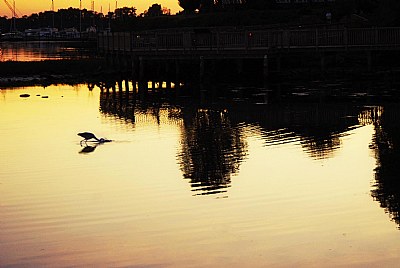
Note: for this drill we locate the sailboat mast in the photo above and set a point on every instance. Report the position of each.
(52, 9)
(14, 26)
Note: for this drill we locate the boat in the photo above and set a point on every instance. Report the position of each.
(12, 36)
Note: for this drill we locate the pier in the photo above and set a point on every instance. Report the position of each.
(132, 49)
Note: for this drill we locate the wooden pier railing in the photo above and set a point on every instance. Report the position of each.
(246, 42)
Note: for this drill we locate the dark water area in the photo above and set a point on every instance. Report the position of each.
(288, 175)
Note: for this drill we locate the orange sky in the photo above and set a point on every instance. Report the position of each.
(27, 7)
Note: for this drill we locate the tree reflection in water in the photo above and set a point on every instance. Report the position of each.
(212, 148)
(318, 128)
(212, 151)
(387, 174)
(214, 141)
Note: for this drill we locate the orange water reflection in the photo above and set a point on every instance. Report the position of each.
(129, 203)
(38, 51)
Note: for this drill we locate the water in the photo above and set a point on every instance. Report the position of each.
(187, 183)
(44, 50)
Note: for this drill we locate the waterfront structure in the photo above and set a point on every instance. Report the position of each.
(259, 44)
(41, 33)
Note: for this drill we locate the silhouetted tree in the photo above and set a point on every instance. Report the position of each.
(260, 4)
(344, 7)
(125, 13)
(189, 6)
(366, 5)
(206, 5)
(154, 11)
(388, 13)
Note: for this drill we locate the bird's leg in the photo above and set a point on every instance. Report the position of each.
(84, 140)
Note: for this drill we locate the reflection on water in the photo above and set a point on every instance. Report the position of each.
(213, 140)
(88, 149)
(37, 51)
(195, 181)
(212, 150)
(386, 144)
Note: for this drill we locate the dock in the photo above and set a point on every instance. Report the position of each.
(202, 45)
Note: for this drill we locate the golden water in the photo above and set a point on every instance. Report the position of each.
(144, 200)
(41, 50)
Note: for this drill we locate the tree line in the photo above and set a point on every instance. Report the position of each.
(206, 13)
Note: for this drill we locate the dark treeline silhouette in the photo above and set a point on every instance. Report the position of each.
(70, 18)
(201, 13)
(387, 150)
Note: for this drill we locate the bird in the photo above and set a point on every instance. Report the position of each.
(88, 136)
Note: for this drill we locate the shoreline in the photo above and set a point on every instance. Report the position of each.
(94, 70)
(47, 72)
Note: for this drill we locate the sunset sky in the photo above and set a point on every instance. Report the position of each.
(27, 7)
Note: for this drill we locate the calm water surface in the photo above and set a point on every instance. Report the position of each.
(183, 185)
(42, 50)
